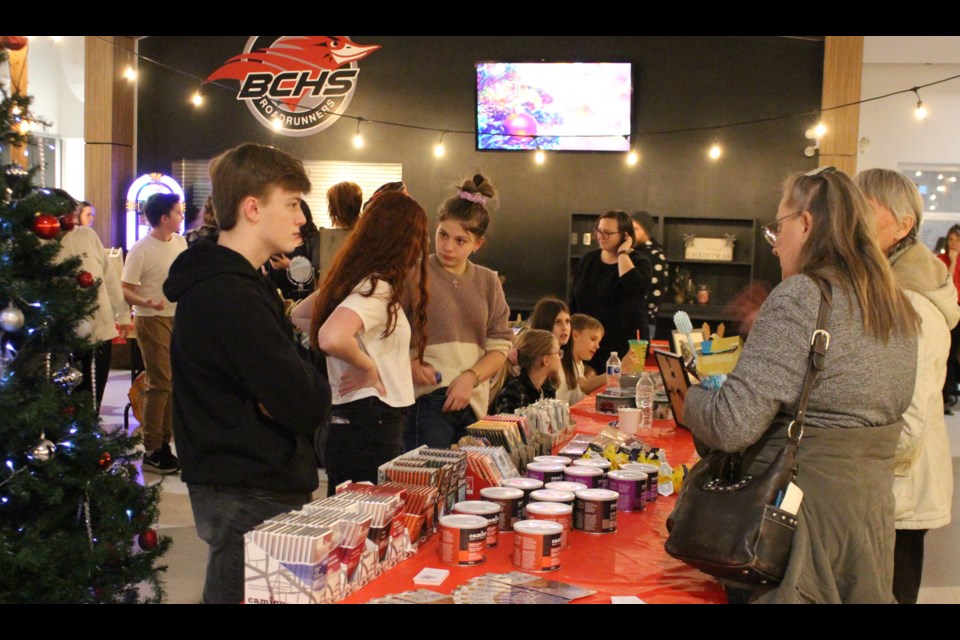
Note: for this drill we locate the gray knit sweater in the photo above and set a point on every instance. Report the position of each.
(865, 382)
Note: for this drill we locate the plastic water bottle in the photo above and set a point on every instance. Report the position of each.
(613, 371)
(645, 393)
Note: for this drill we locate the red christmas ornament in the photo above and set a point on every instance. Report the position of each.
(14, 43)
(46, 226)
(148, 539)
(68, 222)
(105, 461)
(85, 279)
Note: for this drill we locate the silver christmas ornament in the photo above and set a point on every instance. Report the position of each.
(11, 318)
(67, 377)
(42, 451)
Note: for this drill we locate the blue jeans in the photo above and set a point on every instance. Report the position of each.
(223, 515)
(428, 424)
(356, 448)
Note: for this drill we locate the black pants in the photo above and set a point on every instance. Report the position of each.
(953, 365)
(369, 437)
(908, 565)
(95, 360)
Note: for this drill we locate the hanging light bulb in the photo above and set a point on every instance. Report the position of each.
(820, 130)
(715, 151)
(130, 73)
(24, 126)
(197, 99)
(921, 110)
(15, 111)
(439, 150)
(632, 158)
(277, 124)
(357, 138)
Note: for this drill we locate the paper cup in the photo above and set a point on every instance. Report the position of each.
(629, 420)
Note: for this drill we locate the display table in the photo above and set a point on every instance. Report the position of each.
(629, 562)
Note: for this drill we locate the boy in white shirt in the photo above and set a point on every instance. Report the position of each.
(144, 273)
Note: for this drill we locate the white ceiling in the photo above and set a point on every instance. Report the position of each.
(911, 49)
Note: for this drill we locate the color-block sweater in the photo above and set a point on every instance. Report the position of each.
(467, 317)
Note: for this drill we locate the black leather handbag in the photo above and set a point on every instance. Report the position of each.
(725, 523)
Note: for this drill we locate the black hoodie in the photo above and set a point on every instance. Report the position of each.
(232, 350)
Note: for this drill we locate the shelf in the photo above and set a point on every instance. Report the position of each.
(733, 263)
(710, 312)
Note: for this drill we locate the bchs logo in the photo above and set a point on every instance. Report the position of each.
(298, 85)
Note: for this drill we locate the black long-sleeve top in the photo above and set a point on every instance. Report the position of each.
(618, 302)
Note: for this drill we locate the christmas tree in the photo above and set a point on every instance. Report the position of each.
(75, 524)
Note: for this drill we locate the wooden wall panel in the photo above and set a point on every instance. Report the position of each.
(109, 132)
(842, 75)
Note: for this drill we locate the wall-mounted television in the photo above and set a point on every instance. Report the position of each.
(564, 106)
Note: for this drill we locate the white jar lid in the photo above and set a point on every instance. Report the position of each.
(501, 493)
(538, 527)
(477, 507)
(458, 521)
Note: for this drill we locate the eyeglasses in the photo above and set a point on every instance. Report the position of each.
(557, 353)
(604, 234)
(772, 230)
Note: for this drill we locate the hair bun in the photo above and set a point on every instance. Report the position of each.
(478, 179)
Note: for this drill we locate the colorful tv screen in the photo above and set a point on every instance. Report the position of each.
(564, 106)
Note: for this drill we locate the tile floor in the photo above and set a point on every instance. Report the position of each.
(186, 560)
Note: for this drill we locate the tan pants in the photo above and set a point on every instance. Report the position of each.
(153, 333)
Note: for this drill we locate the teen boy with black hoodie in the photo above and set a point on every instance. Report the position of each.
(246, 401)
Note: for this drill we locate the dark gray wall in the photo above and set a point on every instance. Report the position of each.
(679, 82)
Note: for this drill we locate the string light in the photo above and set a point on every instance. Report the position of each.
(632, 158)
(197, 99)
(439, 150)
(357, 138)
(539, 157)
(921, 110)
(715, 151)
(820, 130)
(15, 111)
(24, 126)
(130, 73)
(277, 124)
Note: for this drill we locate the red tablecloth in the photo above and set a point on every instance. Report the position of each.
(630, 561)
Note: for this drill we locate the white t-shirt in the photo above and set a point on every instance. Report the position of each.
(147, 266)
(391, 354)
(575, 395)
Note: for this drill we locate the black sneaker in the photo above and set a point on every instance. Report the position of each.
(160, 463)
(167, 454)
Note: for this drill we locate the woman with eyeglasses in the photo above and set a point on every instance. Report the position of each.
(842, 550)
(923, 486)
(611, 284)
(530, 364)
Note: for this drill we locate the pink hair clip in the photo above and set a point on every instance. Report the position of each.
(478, 198)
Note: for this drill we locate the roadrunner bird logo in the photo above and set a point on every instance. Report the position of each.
(296, 85)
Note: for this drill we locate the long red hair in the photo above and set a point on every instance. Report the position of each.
(388, 243)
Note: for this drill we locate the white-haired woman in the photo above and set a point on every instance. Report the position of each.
(923, 487)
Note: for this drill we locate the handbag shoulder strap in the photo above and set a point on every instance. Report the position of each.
(819, 343)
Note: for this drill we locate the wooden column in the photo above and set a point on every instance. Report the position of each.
(18, 81)
(842, 75)
(109, 132)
